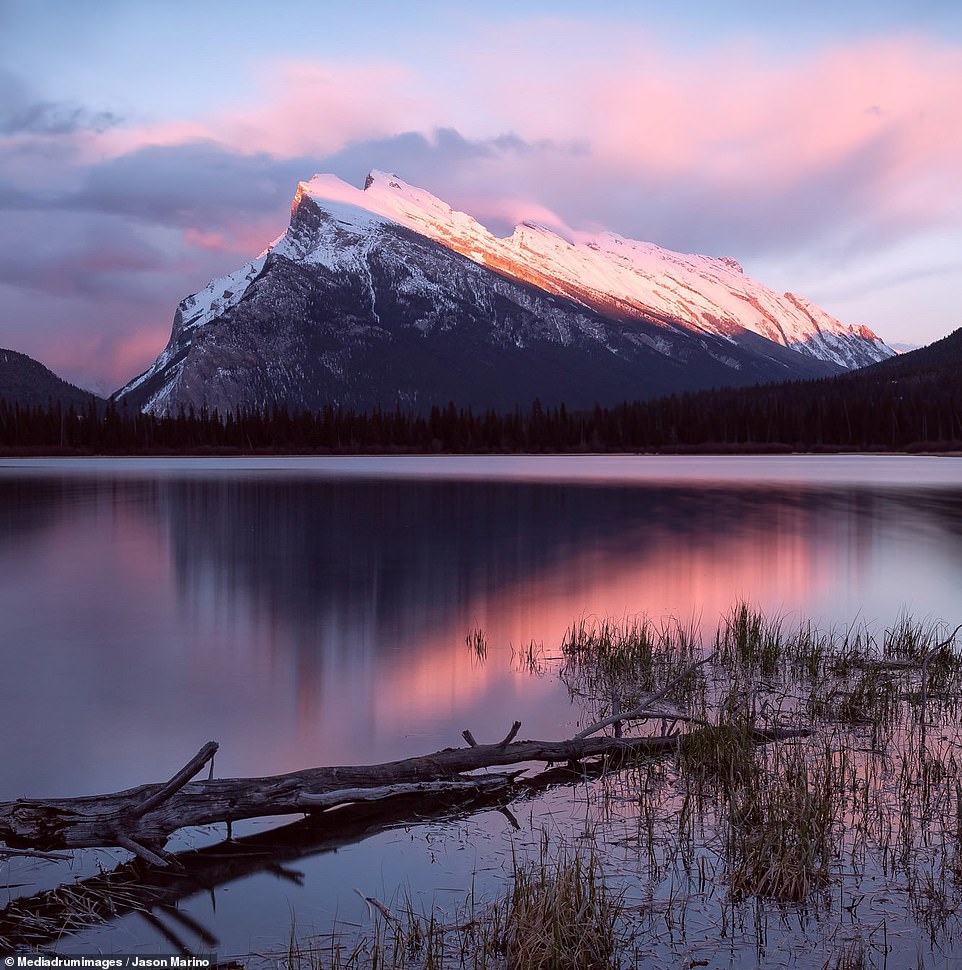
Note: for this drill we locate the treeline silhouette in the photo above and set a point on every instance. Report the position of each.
(867, 410)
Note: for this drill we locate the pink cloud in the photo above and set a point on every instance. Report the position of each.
(735, 117)
(315, 108)
(244, 238)
(104, 360)
(308, 109)
(213, 241)
(134, 351)
(122, 141)
(504, 211)
(885, 115)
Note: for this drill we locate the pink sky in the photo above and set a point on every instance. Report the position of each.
(830, 167)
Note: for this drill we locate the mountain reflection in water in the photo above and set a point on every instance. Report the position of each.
(310, 619)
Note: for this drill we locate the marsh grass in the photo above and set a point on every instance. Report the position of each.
(748, 639)
(724, 753)
(853, 955)
(557, 913)
(783, 833)
(560, 914)
(867, 789)
(867, 806)
(530, 658)
(609, 664)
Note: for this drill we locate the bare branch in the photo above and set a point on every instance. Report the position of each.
(509, 737)
(183, 776)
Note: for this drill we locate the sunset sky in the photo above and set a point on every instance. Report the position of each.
(146, 147)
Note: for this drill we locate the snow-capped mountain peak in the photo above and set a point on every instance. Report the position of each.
(604, 269)
(388, 294)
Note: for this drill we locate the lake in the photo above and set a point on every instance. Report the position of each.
(315, 611)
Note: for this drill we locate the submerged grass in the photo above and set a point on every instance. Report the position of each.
(610, 665)
(477, 644)
(783, 828)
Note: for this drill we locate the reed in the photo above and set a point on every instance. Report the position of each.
(477, 644)
(559, 915)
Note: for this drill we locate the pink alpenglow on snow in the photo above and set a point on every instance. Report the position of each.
(601, 270)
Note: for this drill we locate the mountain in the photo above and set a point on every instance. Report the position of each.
(940, 361)
(902, 348)
(27, 382)
(385, 295)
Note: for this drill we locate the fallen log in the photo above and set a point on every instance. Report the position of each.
(138, 887)
(142, 819)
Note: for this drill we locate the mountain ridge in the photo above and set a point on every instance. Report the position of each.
(387, 296)
(597, 268)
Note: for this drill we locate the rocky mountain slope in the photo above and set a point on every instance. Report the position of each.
(386, 296)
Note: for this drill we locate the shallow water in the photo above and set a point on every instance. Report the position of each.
(314, 611)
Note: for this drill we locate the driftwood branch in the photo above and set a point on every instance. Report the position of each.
(135, 886)
(510, 736)
(139, 850)
(141, 819)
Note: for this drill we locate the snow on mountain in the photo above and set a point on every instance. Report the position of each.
(607, 272)
(386, 294)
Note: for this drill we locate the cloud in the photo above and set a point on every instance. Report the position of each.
(55, 118)
(827, 158)
(21, 114)
(719, 149)
(47, 253)
(732, 142)
(307, 109)
(186, 185)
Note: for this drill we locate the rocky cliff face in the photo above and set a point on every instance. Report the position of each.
(385, 296)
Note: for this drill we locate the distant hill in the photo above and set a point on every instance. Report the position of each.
(911, 401)
(941, 361)
(27, 382)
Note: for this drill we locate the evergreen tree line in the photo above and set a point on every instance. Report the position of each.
(856, 412)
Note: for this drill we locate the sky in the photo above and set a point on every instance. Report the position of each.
(147, 147)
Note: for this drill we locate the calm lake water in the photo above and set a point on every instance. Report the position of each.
(314, 611)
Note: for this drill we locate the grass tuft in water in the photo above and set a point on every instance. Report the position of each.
(852, 956)
(477, 644)
(782, 830)
(560, 915)
(557, 914)
(611, 665)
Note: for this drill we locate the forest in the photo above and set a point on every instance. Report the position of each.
(912, 403)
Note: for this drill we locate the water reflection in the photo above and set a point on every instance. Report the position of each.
(319, 620)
